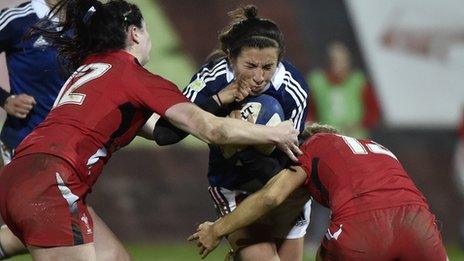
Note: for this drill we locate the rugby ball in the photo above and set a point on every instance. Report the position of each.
(262, 109)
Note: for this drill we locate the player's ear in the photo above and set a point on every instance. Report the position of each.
(133, 34)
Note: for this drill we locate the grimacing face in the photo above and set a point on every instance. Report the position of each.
(256, 66)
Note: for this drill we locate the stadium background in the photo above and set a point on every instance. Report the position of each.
(154, 197)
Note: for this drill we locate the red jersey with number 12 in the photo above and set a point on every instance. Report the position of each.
(351, 176)
(99, 110)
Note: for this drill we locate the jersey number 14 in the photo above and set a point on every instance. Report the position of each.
(358, 148)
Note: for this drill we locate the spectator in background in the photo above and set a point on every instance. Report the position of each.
(459, 172)
(341, 96)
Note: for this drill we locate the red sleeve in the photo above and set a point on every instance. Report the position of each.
(371, 108)
(158, 94)
(304, 161)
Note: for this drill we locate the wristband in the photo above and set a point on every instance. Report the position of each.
(219, 99)
(3, 96)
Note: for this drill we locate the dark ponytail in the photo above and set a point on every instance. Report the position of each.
(88, 27)
(247, 30)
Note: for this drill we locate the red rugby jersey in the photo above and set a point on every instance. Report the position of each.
(99, 110)
(350, 176)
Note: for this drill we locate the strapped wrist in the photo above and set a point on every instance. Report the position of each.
(219, 100)
(3, 97)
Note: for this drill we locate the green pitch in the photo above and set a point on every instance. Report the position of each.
(187, 252)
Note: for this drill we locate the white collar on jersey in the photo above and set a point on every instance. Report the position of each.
(40, 7)
(276, 80)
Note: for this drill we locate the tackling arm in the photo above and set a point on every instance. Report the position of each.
(218, 130)
(258, 204)
(165, 133)
(251, 209)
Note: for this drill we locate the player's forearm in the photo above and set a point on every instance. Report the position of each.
(250, 210)
(217, 130)
(165, 133)
(276, 191)
(238, 132)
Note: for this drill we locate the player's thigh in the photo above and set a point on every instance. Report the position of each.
(253, 243)
(290, 222)
(290, 219)
(291, 249)
(85, 252)
(107, 245)
(43, 202)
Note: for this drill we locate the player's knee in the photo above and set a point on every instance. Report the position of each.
(291, 249)
(10, 245)
(261, 251)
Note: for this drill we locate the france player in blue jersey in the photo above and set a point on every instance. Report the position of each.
(35, 78)
(33, 71)
(250, 62)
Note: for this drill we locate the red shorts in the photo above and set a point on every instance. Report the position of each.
(399, 233)
(42, 201)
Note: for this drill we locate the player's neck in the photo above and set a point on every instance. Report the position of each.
(131, 52)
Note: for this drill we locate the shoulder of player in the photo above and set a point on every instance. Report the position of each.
(287, 78)
(318, 141)
(212, 70)
(290, 84)
(211, 77)
(8, 15)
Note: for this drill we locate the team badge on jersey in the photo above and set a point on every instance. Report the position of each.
(196, 85)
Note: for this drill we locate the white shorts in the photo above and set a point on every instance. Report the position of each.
(289, 221)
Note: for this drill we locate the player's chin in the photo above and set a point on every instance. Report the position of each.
(255, 93)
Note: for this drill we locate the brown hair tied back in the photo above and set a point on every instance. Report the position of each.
(247, 12)
(248, 30)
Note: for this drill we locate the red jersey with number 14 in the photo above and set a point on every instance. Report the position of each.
(99, 110)
(351, 176)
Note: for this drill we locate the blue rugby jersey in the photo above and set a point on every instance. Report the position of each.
(287, 86)
(33, 67)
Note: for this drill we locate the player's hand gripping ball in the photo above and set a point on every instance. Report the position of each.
(262, 109)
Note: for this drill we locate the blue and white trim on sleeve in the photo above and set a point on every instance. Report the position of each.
(203, 77)
(11, 14)
(300, 97)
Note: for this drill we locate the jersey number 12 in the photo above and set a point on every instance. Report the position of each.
(81, 76)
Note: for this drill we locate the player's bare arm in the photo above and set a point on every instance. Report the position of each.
(279, 188)
(217, 130)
